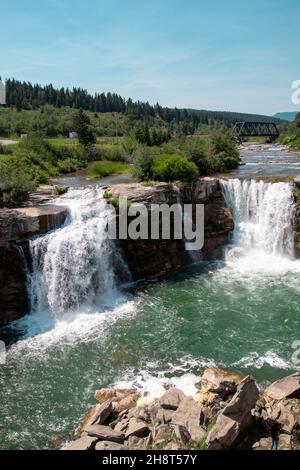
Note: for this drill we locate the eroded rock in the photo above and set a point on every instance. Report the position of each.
(171, 399)
(288, 387)
(85, 442)
(235, 417)
(188, 416)
(104, 433)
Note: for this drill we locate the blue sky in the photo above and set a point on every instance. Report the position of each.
(205, 54)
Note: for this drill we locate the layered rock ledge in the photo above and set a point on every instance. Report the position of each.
(148, 258)
(227, 412)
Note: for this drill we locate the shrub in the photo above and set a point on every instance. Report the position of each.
(60, 189)
(17, 179)
(173, 168)
(142, 161)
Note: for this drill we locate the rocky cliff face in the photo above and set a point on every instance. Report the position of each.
(148, 258)
(16, 226)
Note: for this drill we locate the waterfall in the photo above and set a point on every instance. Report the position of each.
(264, 215)
(76, 266)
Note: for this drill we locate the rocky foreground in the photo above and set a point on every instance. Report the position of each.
(227, 412)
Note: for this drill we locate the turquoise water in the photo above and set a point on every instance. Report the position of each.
(241, 312)
(172, 328)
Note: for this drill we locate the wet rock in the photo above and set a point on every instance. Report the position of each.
(171, 399)
(288, 387)
(84, 443)
(14, 302)
(235, 417)
(104, 433)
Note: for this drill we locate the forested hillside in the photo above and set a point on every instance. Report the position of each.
(26, 96)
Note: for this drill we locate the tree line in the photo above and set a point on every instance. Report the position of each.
(27, 96)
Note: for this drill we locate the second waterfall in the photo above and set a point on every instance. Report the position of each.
(264, 216)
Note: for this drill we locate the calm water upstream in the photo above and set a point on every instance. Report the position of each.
(86, 332)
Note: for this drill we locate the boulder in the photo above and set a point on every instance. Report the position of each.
(284, 442)
(235, 417)
(122, 425)
(171, 399)
(96, 415)
(164, 416)
(162, 435)
(104, 433)
(219, 381)
(286, 412)
(127, 403)
(136, 443)
(288, 387)
(107, 445)
(122, 399)
(137, 428)
(188, 416)
(297, 181)
(84, 443)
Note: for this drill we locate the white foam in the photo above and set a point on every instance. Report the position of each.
(43, 334)
(152, 383)
(270, 358)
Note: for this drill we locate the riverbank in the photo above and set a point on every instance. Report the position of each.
(225, 411)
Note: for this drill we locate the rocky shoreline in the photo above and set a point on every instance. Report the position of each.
(228, 411)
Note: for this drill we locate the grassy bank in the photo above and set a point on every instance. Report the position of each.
(107, 168)
(23, 167)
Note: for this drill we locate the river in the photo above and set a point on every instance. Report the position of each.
(90, 328)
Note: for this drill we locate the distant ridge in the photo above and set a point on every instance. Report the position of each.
(288, 116)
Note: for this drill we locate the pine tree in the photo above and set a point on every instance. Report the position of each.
(85, 132)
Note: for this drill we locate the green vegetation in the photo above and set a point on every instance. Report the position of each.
(202, 444)
(16, 179)
(60, 189)
(43, 108)
(106, 168)
(158, 144)
(173, 168)
(186, 158)
(293, 140)
(85, 132)
(291, 135)
(151, 137)
(55, 122)
(25, 166)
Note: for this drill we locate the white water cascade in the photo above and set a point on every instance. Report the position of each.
(76, 266)
(264, 216)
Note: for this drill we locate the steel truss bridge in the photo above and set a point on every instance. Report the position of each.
(255, 129)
